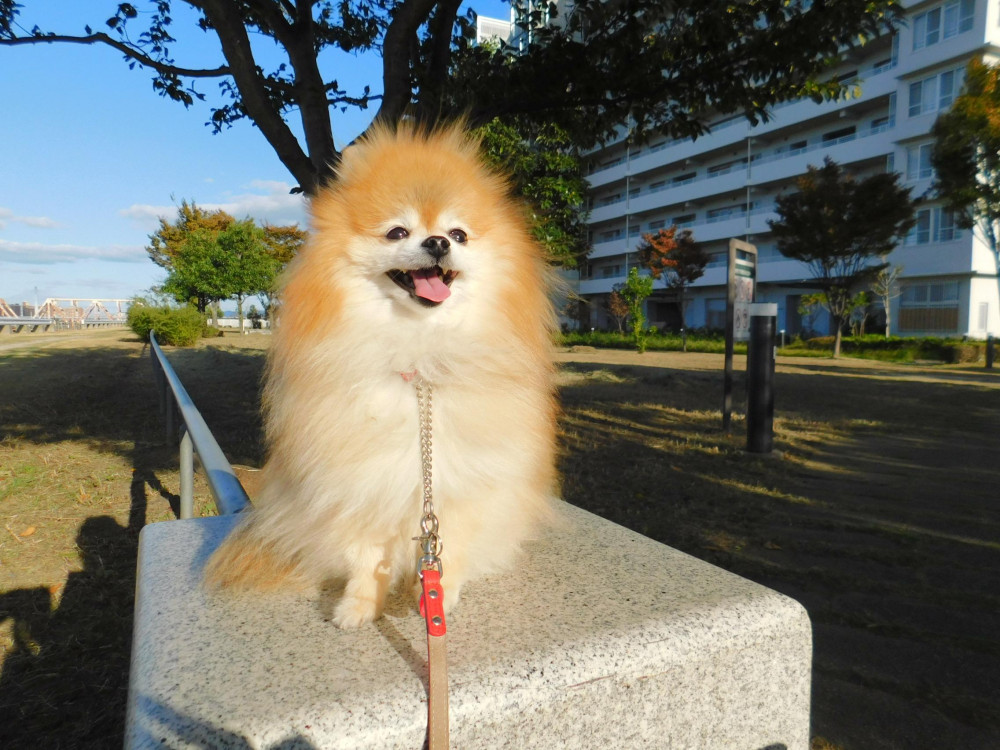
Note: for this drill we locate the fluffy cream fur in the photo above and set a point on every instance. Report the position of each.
(341, 496)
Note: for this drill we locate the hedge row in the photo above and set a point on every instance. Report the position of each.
(893, 349)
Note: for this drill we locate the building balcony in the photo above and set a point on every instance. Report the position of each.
(772, 167)
(875, 82)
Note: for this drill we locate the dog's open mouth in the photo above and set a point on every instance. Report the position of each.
(429, 286)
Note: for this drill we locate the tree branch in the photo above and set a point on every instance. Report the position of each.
(227, 20)
(123, 47)
(438, 58)
(396, 81)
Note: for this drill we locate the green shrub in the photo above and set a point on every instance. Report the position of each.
(140, 319)
(872, 346)
(892, 349)
(209, 331)
(175, 326)
(660, 342)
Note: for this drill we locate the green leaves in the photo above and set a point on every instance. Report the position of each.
(842, 228)
(634, 291)
(966, 154)
(210, 256)
(547, 173)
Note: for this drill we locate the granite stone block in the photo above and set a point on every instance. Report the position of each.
(600, 638)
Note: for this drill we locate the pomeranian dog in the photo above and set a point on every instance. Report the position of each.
(419, 265)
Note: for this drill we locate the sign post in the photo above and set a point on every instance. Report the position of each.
(739, 296)
(760, 378)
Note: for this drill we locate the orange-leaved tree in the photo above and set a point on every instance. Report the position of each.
(675, 256)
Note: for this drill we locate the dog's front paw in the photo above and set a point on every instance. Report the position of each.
(353, 612)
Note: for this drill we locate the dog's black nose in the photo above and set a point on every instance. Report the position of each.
(437, 247)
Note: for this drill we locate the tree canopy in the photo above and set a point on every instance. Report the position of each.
(678, 258)
(210, 256)
(842, 228)
(966, 153)
(634, 291)
(548, 173)
(668, 67)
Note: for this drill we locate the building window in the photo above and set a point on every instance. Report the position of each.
(922, 96)
(945, 227)
(943, 22)
(984, 316)
(935, 92)
(683, 221)
(726, 212)
(933, 225)
(633, 231)
(658, 224)
(949, 84)
(880, 124)
(715, 313)
(609, 272)
(958, 17)
(921, 232)
(608, 200)
(683, 179)
(927, 28)
(918, 161)
(931, 307)
(841, 135)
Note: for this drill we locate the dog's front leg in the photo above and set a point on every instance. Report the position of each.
(369, 576)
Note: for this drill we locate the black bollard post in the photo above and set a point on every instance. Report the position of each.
(760, 378)
(989, 351)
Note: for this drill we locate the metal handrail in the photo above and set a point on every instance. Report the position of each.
(195, 437)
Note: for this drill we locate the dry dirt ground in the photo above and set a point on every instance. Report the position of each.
(877, 511)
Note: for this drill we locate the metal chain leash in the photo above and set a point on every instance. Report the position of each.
(430, 542)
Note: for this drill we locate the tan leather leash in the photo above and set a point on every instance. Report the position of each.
(430, 571)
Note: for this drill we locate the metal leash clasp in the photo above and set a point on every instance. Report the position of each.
(430, 545)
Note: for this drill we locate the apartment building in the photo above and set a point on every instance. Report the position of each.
(723, 185)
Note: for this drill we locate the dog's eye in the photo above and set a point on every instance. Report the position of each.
(459, 236)
(397, 233)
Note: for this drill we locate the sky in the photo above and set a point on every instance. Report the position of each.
(92, 156)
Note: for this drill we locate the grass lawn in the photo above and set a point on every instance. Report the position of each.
(877, 511)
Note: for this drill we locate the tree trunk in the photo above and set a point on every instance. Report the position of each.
(836, 339)
(680, 310)
(239, 311)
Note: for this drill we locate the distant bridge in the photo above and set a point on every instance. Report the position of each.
(63, 313)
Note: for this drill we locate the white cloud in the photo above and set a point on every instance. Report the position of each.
(38, 222)
(37, 253)
(267, 201)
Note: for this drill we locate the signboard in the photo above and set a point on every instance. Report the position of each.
(742, 279)
(740, 294)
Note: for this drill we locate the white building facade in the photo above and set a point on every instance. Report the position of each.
(723, 185)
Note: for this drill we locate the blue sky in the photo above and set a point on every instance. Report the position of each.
(92, 155)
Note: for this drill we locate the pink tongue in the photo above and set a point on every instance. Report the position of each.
(427, 284)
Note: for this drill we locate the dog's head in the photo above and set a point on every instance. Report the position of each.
(416, 218)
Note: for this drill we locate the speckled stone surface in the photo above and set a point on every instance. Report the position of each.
(604, 638)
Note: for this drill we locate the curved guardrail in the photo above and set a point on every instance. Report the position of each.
(195, 437)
